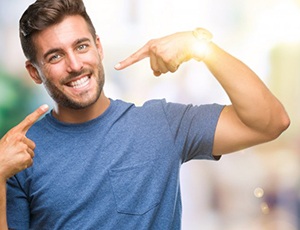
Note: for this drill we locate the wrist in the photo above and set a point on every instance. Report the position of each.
(200, 48)
(3, 181)
(3, 174)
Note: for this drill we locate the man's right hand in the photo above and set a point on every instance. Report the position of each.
(16, 150)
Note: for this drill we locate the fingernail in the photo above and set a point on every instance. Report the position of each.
(44, 107)
(117, 66)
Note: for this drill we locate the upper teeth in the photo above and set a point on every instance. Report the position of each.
(80, 82)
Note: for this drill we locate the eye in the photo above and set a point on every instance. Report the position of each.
(82, 47)
(55, 58)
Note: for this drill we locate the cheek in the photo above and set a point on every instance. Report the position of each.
(52, 73)
(96, 57)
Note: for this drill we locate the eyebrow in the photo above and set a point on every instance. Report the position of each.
(51, 51)
(55, 50)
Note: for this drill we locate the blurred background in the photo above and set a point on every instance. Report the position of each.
(255, 189)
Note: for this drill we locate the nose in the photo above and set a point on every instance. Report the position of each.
(74, 63)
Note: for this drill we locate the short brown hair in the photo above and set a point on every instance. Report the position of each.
(45, 13)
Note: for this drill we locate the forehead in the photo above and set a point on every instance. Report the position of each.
(63, 34)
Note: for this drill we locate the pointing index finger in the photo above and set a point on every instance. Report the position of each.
(32, 118)
(135, 57)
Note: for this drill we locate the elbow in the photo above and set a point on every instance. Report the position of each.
(284, 123)
(279, 125)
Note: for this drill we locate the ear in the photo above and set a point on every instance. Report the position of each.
(33, 72)
(99, 47)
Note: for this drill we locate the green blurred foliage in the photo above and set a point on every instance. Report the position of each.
(15, 100)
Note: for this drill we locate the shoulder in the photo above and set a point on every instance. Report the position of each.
(174, 108)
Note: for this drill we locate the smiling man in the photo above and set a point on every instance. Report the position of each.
(68, 62)
(108, 164)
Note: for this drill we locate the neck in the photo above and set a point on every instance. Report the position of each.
(69, 115)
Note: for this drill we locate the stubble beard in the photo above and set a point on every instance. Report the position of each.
(63, 100)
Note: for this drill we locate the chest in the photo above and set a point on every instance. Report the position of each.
(107, 172)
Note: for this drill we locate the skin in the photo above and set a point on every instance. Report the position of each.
(252, 123)
(16, 154)
(67, 52)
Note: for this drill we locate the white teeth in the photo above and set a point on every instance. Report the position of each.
(80, 82)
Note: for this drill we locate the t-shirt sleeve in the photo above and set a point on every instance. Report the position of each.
(17, 205)
(193, 128)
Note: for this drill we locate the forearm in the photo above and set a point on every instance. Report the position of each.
(255, 115)
(3, 221)
(253, 103)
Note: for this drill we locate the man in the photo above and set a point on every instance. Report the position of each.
(107, 164)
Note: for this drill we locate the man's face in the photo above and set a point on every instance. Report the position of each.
(69, 63)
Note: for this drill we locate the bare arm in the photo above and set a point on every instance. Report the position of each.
(16, 154)
(3, 223)
(255, 115)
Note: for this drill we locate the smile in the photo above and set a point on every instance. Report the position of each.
(80, 83)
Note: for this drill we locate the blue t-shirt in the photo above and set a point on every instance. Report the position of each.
(118, 171)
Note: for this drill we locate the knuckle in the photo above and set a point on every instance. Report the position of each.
(18, 137)
(14, 137)
(22, 147)
(167, 59)
(26, 158)
(151, 42)
(134, 55)
(33, 145)
(153, 46)
(29, 119)
(12, 131)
